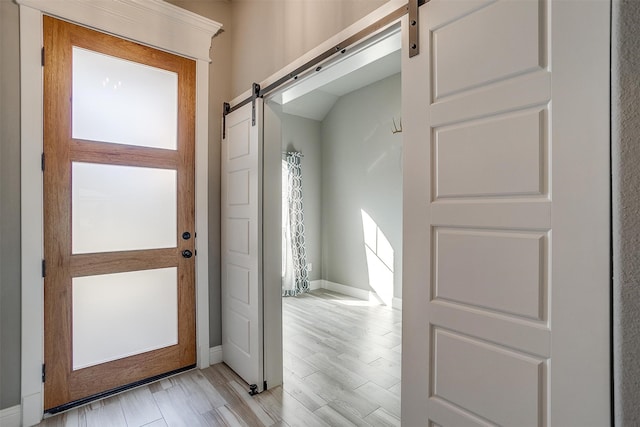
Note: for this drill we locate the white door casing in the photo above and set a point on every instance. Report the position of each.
(241, 246)
(506, 215)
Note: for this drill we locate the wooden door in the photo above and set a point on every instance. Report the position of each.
(242, 322)
(506, 215)
(118, 213)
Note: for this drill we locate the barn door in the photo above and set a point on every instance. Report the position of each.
(506, 292)
(241, 192)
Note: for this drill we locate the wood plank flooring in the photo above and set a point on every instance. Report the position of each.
(341, 368)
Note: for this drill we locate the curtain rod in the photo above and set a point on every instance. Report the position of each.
(297, 152)
(339, 48)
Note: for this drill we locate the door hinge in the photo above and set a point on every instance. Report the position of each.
(42, 56)
(42, 162)
(226, 109)
(256, 93)
(44, 268)
(44, 372)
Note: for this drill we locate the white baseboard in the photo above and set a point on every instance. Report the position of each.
(346, 290)
(215, 355)
(11, 417)
(32, 406)
(352, 292)
(315, 284)
(362, 294)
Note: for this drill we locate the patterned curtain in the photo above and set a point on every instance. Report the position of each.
(295, 278)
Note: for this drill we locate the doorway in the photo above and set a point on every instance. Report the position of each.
(341, 175)
(342, 235)
(130, 20)
(119, 214)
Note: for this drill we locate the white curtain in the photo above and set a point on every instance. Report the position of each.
(295, 278)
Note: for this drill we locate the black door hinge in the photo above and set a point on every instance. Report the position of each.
(226, 109)
(255, 87)
(44, 268)
(42, 162)
(42, 56)
(44, 372)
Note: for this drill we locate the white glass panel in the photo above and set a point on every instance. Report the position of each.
(119, 208)
(123, 102)
(123, 314)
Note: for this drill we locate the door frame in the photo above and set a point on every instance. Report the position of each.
(272, 190)
(185, 34)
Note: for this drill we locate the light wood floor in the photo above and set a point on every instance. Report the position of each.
(341, 368)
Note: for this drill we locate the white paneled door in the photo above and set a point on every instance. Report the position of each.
(242, 322)
(506, 215)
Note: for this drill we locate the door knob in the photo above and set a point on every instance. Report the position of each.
(186, 235)
(187, 253)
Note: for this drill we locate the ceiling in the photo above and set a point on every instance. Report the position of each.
(314, 96)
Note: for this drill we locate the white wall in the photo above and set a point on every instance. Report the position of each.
(361, 171)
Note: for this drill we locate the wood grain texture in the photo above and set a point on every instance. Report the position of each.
(119, 262)
(310, 397)
(57, 215)
(123, 155)
(64, 385)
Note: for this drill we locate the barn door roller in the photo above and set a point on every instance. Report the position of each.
(255, 88)
(414, 25)
(227, 108)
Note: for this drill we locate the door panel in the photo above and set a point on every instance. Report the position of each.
(142, 100)
(120, 208)
(119, 294)
(509, 327)
(507, 270)
(242, 339)
(481, 158)
(116, 307)
(512, 47)
(465, 369)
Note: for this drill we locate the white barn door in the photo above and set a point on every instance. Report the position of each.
(241, 194)
(506, 215)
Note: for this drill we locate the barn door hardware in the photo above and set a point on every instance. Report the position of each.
(414, 26)
(255, 94)
(226, 109)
